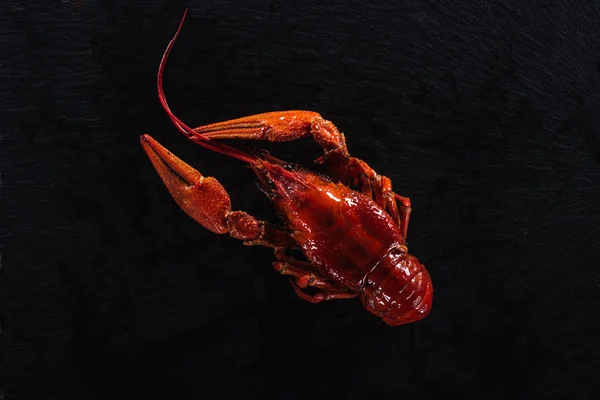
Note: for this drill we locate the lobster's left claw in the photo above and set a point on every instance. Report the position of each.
(202, 198)
(175, 173)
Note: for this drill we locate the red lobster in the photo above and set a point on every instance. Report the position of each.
(354, 240)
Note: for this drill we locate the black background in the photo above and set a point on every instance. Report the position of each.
(485, 115)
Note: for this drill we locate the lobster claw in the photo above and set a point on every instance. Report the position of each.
(202, 198)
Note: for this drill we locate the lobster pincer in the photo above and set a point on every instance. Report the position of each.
(206, 200)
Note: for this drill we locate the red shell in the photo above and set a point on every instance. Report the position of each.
(352, 241)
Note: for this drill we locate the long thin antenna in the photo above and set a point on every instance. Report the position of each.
(186, 130)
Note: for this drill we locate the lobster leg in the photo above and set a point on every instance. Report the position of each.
(306, 276)
(323, 295)
(206, 200)
(379, 187)
(282, 126)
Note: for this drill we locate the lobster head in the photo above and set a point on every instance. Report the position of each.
(398, 289)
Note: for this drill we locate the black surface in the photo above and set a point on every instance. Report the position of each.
(485, 115)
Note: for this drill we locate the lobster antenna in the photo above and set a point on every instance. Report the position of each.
(186, 130)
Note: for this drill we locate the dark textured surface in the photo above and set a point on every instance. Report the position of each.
(486, 116)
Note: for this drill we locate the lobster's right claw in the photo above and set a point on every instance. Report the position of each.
(277, 126)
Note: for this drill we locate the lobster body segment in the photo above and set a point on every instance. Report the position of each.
(350, 240)
(350, 226)
(339, 230)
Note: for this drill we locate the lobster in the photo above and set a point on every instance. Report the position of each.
(349, 225)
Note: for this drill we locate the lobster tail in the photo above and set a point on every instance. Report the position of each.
(398, 289)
